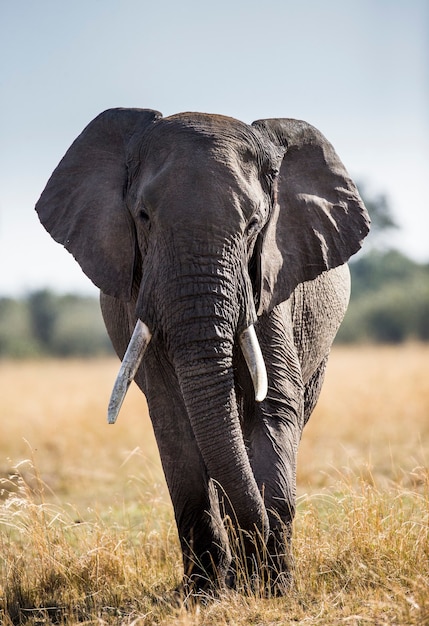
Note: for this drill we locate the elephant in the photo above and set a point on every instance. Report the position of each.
(220, 250)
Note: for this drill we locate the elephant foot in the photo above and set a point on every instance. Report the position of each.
(270, 584)
(266, 573)
(267, 582)
(196, 591)
(205, 572)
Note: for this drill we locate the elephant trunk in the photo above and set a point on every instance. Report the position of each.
(198, 319)
(212, 304)
(207, 385)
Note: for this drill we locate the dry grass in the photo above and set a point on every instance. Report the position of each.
(87, 532)
(372, 419)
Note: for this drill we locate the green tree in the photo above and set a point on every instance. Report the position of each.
(382, 220)
(43, 311)
(390, 300)
(80, 329)
(16, 337)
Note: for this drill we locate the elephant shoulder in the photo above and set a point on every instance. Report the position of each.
(318, 307)
(329, 292)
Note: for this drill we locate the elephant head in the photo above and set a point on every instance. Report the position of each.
(203, 223)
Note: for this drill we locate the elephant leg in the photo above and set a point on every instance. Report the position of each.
(273, 433)
(203, 539)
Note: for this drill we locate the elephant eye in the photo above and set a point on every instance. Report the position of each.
(144, 216)
(269, 183)
(270, 175)
(253, 226)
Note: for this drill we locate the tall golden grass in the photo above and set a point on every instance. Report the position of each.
(87, 532)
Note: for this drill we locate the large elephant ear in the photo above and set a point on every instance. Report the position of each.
(83, 204)
(319, 220)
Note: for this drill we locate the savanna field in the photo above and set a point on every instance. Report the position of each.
(87, 534)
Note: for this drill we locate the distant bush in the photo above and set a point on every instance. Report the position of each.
(390, 300)
(16, 336)
(44, 323)
(80, 330)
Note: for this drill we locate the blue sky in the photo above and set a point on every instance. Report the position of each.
(356, 69)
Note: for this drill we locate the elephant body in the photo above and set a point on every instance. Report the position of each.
(202, 226)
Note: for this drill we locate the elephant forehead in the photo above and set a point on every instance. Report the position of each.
(177, 179)
(207, 124)
(215, 157)
(215, 135)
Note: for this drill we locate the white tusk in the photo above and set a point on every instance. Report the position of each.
(255, 362)
(130, 363)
